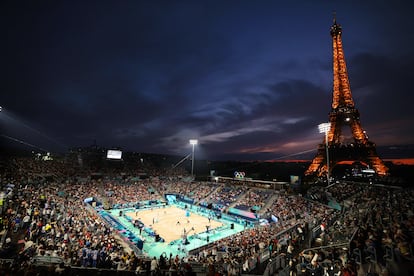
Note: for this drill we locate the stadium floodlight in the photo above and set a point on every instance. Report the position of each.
(193, 142)
(325, 128)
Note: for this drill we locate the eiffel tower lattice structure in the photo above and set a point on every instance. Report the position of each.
(343, 114)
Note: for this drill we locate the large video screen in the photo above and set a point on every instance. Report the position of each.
(114, 154)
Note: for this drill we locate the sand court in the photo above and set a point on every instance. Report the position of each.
(171, 222)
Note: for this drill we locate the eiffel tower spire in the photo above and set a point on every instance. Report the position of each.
(344, 114)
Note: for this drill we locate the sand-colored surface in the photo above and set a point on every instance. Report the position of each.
(171, 222)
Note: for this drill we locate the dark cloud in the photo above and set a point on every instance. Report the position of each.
(381, 92)
(250, 80)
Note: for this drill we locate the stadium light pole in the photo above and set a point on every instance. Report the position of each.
(193, 142)
(325, 128)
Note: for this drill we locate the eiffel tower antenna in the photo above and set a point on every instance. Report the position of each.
(344, 114)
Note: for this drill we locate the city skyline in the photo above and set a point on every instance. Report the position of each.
(250, 81)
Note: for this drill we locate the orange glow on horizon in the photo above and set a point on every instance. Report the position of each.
(402, 161)
(396, 161)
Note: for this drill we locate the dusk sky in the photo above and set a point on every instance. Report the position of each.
(250, 79)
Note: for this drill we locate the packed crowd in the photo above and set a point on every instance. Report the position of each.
(192, 189)
(226, 195)
(126, 192)
(46, 207)
(339, 192)
(379, 223)
(300, 209)
(60, 226)
(254, 198)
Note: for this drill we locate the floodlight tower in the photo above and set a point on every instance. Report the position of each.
(325, 128)
(193, 142)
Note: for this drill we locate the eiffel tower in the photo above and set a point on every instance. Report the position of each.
(335, 149)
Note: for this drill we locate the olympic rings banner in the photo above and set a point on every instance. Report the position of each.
(239, 175)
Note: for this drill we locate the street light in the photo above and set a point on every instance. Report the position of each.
(193, 142)
(325, 128)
